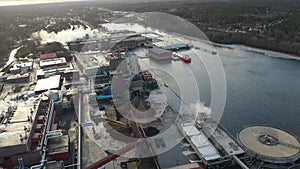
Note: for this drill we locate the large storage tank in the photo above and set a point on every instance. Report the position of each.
(270, 144)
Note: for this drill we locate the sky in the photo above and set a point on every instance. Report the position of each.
(26, 2)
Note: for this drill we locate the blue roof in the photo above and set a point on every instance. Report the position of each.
(174, 46)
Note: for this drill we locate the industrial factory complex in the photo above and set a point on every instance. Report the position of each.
(69, 112)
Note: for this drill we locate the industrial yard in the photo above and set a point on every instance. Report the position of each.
(113, 101)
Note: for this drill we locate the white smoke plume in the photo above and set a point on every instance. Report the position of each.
(64, 36)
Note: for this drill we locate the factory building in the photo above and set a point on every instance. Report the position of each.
(76, 45)
(48, 56)
(21, 68)
(159, 54)
(19, 78)
(18, 132)
(23, 134)
(177, 47)
(40, 74)
(50, 83)
(53, 63)
(130, 43)
(94, 66)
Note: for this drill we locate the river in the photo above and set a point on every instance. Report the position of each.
(261, 90)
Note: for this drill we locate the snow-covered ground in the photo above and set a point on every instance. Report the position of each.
(12, 56)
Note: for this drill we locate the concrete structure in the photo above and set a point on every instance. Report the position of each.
(270, 144)
(190, 166)
(130, 43)
(52, 63)
(2, 77)
(51, 71)
(116, 64)
(58, 148)
(200, 142)
(94, 66)
(90, 62)
(40, 74)
(212, 144)
(29, 136)
(177, 47)
(160, 54)
(19, 137)
(71, 75)
(21, 67)
(19, 78)
(53, 82)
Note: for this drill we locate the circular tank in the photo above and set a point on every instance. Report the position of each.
(270, 144)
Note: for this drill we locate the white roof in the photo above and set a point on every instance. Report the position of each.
(50, 62)
(201, 142)
(190, 130)
(24, 64)
(21, 65)
(40, 72)
(48, 83)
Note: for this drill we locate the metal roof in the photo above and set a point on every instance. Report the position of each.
(201, 142)
(10, 134)
(52, 82)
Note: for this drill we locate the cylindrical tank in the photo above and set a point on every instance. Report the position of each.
(270, 144)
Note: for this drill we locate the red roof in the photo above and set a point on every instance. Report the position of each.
(48, 56)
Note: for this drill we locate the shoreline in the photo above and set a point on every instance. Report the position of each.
(265, 52)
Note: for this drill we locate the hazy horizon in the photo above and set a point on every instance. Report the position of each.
(31, 2)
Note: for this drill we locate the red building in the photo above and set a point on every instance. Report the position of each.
(48, 56)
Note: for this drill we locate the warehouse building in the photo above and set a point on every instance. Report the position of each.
(22, 135)
(130, 43)
(50, 83)
(21, 67)
(18, 78)
(18, 132)
(48, 56)
(53, 63)
(160, 54)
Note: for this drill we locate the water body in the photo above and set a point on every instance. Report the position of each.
(261, 90)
